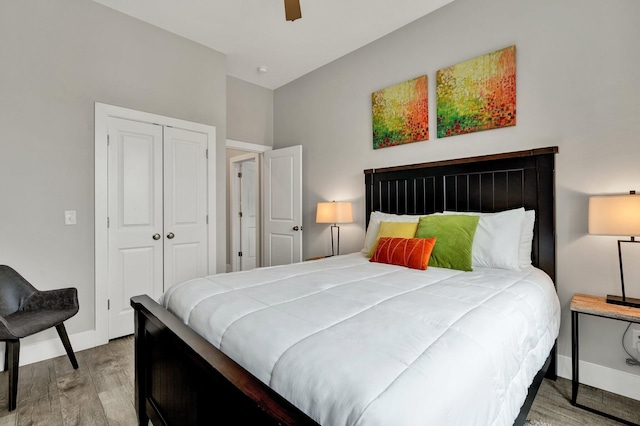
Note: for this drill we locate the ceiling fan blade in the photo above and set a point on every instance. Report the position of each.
(292, 10)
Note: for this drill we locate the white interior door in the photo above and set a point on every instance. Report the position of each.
(244, 212)
(135, 218)
(248, 218)
(185, 205)
(282, 206)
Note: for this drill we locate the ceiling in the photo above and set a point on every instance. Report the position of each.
(254, 33)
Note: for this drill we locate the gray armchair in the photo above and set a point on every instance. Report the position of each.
(25, 311)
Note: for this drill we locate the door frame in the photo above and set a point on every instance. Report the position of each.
(101, 243)
(247, 147)
(234, 199)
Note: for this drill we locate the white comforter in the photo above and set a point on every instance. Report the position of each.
(356, 343)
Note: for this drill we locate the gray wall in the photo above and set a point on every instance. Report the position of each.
(249, 112)
(578, 88)
(58, 58)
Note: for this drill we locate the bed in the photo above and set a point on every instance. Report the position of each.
(181, 378)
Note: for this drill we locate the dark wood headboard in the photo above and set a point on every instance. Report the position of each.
(489, 183)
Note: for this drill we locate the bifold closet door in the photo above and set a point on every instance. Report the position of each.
(157, 213)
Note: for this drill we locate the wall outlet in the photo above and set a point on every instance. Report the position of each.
(636, 340)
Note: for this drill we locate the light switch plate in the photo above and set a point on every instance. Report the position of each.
(70, 217)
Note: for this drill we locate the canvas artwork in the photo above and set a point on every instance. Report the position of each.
(478, 94)
(400, 113)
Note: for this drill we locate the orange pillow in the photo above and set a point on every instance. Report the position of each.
(410, 252)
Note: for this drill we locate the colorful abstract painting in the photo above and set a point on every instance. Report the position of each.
(400, 113)
(478, 94)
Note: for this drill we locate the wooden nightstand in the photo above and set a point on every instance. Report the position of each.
(597, 306)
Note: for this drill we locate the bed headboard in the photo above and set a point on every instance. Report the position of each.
(489, 183)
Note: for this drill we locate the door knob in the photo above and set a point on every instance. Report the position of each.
(156, 236)
(296, 228)
(170, 235)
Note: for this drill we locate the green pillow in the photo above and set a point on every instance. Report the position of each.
(455, 239)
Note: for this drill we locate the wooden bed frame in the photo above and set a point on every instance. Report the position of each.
(180, 378)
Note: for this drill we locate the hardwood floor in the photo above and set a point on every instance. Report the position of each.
(52, 393)
(552, 406)
(100, 392)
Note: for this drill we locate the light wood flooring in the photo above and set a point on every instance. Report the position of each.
(100, 392)
(552, 405)
(52, 393)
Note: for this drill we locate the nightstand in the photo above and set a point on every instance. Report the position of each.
(596, 306)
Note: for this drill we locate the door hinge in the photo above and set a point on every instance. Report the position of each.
(107, 222)
(108, 304)
(240, 253)
(240, 214)
(108, 140)
(207, 219)
(206, 153)
(240, 175)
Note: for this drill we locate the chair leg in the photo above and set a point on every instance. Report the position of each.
(62, 332)
(13, 359)
(6, 357)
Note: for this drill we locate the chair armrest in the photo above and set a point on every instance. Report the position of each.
(59, 299)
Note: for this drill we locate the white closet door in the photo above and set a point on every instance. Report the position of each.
(157, 213)
(185, 206)
(135, 218)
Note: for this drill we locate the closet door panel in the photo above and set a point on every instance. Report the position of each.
(185, 205)
(135, 204)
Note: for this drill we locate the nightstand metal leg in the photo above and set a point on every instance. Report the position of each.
(598, 307)
(574, 358)
(575, 374)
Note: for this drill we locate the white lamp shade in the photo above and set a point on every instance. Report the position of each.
(333, 212)
(614, 215)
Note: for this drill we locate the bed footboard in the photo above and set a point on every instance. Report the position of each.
(180, 378)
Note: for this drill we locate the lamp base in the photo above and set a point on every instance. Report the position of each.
(628, 301)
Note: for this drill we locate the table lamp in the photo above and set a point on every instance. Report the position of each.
(616, 215)
(334, 213)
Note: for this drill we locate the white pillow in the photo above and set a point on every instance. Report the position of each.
(374, 224)
(496, 243)
(526, 238)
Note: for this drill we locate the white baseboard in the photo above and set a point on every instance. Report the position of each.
(52, 348)
(615, 381)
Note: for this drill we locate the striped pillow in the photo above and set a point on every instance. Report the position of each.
(410, 252)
